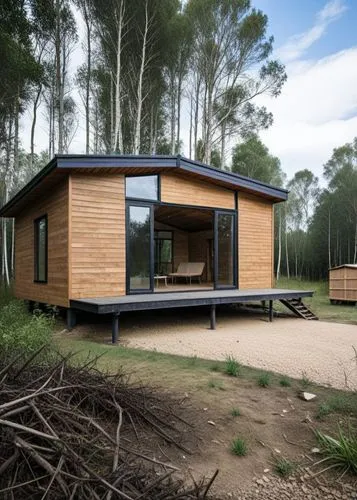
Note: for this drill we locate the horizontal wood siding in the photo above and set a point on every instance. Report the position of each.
(343, 284)
(177, 189)
(55, 291)
(97, 236)
(255, 242)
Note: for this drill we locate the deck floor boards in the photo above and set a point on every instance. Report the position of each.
(165, 300)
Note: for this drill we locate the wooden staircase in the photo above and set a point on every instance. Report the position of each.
(299, 308)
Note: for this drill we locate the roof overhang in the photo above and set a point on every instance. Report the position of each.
(61, 165)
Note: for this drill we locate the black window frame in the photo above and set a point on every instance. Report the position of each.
(157, 238)
(36, 223)
(145, 200)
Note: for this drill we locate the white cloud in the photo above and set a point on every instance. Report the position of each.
(316, 112)
(297, 45)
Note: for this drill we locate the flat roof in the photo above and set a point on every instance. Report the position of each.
(63, 164)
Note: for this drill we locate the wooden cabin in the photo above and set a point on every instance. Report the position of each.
(343, 283)
(91, 227)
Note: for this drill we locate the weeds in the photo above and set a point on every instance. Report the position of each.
(284, 467)
(341, 452)
(305, 382)
(216, 384)
(263, 380)
(285, 381)
(233, 367)
(235, 412)
(323, 410)
(239, 447)
(215, 367)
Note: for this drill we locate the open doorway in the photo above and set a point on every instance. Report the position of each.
(184, 249)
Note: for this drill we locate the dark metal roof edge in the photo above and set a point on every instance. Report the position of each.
(29, 186)
(112, 161)
(237, 179)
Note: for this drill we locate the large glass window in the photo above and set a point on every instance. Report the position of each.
(163, 252)
(143, 187)
(40, 228)
(225, 249)
(139, 251)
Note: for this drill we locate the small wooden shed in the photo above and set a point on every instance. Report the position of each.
(343, 283)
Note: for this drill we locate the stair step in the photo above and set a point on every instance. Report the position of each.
(299, 308)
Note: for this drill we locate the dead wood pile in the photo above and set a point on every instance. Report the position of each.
(70, 432)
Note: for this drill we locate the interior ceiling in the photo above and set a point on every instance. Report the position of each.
(186, 219)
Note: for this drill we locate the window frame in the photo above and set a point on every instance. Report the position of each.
(36, 223)
(145, 200)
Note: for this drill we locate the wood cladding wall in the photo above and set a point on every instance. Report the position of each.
(343, 284)
(177, 189)
(55, 291)
(97, 236)
(255, 242)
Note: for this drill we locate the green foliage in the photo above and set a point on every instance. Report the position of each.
(235, 412)
(232, 367)
(252, 159)
(216, 384)
(284, 467)
(263, 380)
(239, 447)
(323, 411)
(341, 451)
(284, 381)
(21, 331)
(305, 382)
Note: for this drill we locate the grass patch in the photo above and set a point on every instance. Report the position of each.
(284, 381)
(341, 451)
(21, 331)
(235, 412)
(323, 411)
(284, 467)
(216, 384)
(263, 380)
(232, 367)
(216, 367)
(239, 447)
(305, 382)
(320, 302)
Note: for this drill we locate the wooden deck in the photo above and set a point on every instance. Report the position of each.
(212, 298)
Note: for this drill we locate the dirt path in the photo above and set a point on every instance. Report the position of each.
(320, 350)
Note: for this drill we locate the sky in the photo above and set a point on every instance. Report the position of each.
(317, 109)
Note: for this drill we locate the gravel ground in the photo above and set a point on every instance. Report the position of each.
(292, 346)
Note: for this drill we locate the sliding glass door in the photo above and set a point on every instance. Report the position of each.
(139, 248)
(225, 250)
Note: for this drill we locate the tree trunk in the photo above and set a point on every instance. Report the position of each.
(137, 134)
(208, 127)
(59, 83)
(286, 250)
(195, 128)
(33, 124)
(89, 74)
(223, 143)
(329, 239)
(173, 113)
(191, 127)
(279, 247)
(118, 134)
(179, 95)
(13, 248)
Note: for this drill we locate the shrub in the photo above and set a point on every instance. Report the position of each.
(239, 447)
(21, 331)
(305, 381)
(284, 467)
(235, 412)
(285, 381)
(233, 367)
(263, 380)
(341, 452)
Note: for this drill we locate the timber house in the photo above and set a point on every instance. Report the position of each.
(115, 233)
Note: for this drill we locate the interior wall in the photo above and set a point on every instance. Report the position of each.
(180, 245)
(200, 250)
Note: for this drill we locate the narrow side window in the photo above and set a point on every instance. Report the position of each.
(41, 250)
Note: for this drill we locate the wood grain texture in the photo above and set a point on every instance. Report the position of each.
(255, 242)
(177, 189)
(55, 291)
(98, 235)
(343, 284)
